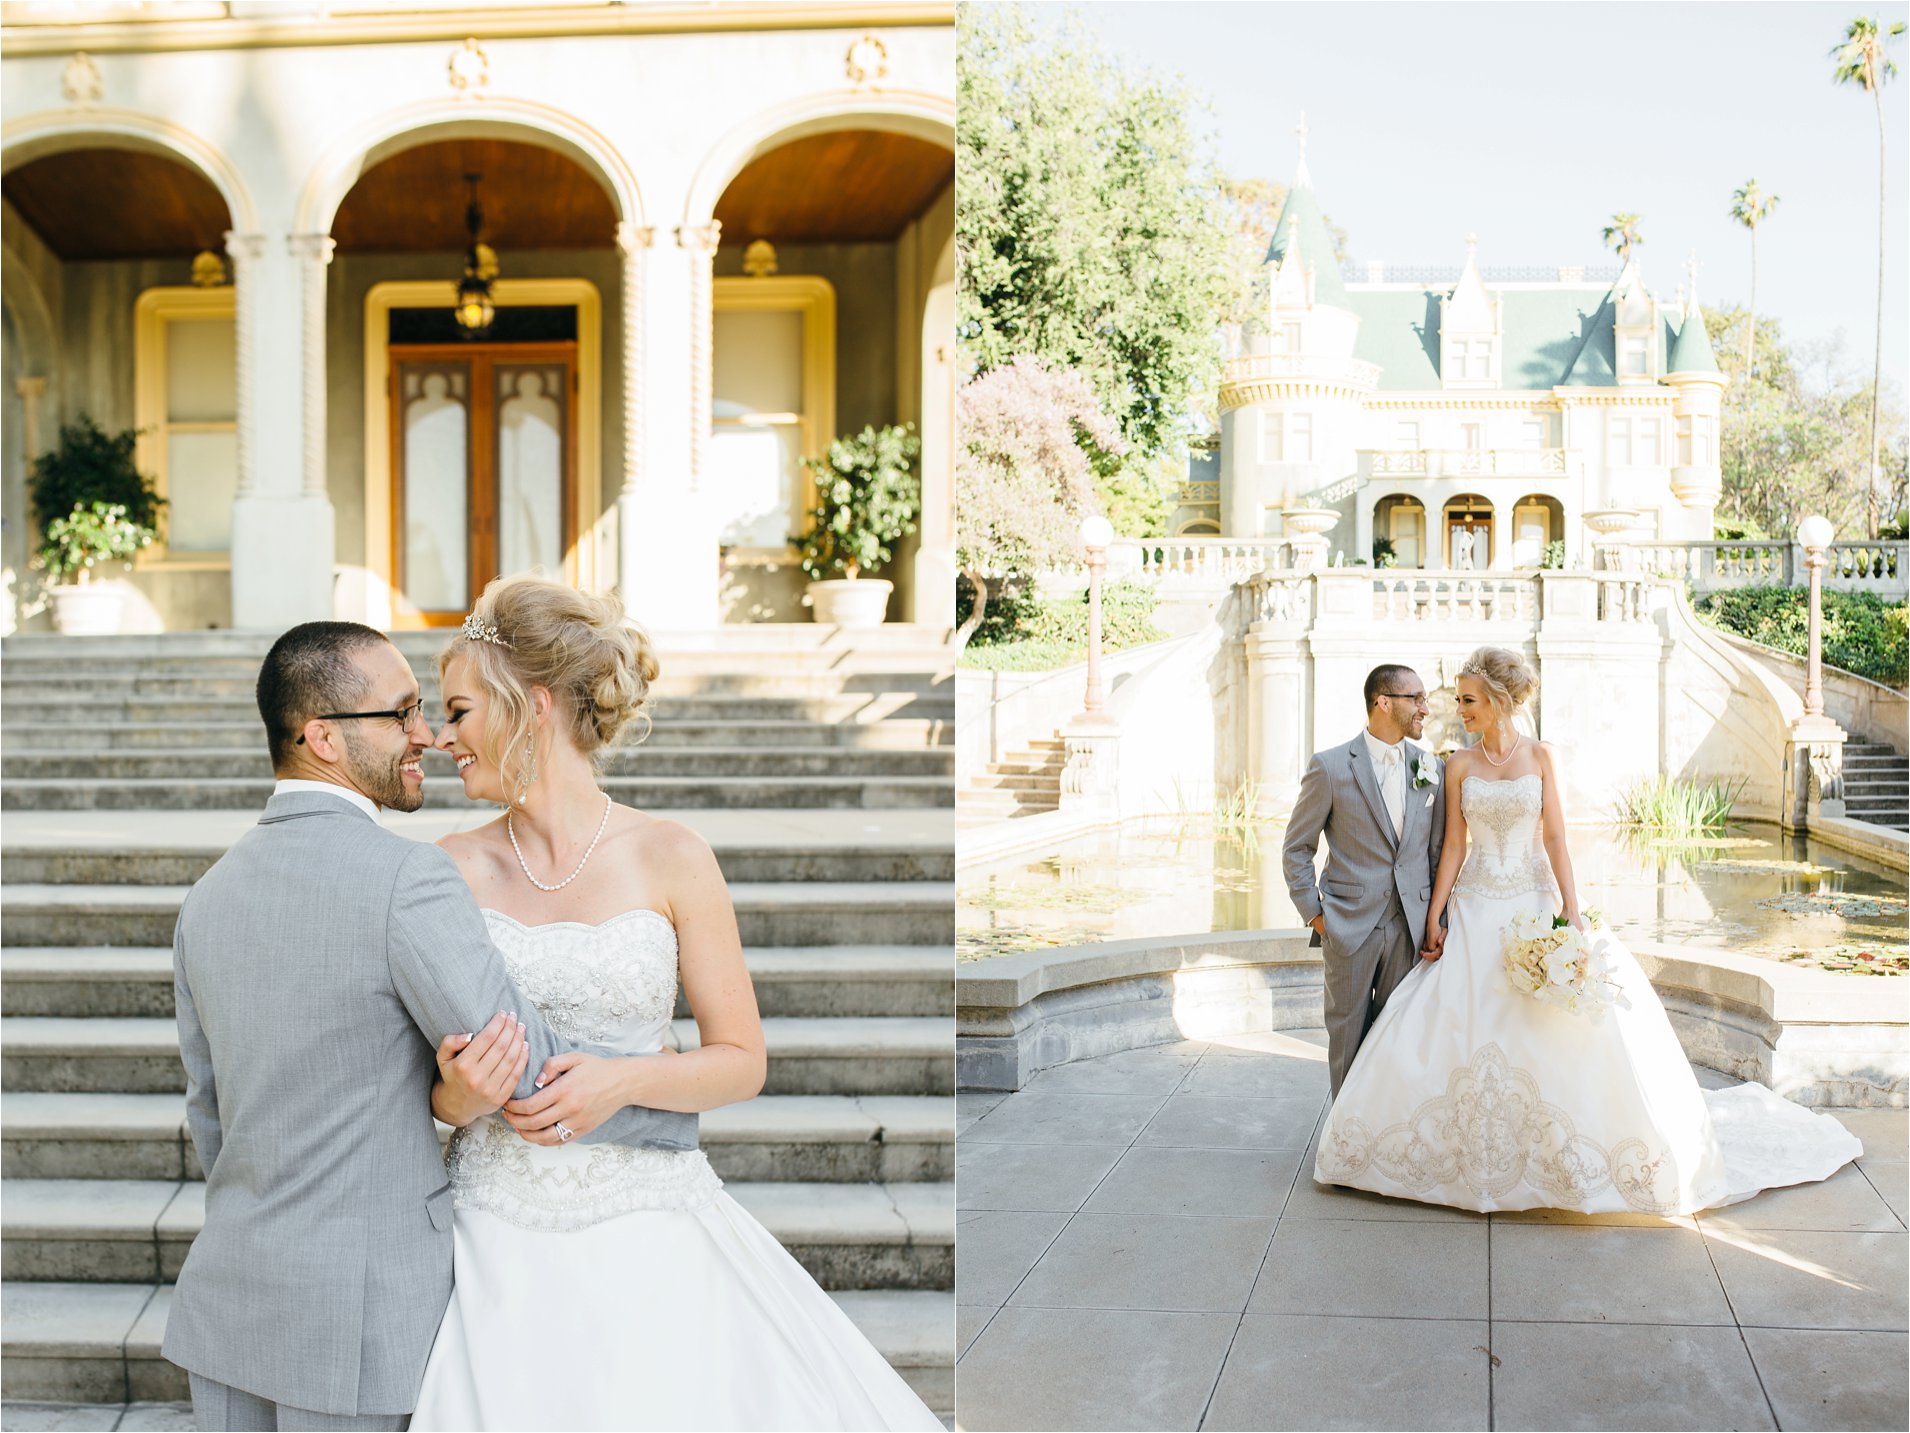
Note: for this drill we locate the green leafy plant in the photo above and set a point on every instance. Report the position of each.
(1677, 807)
(1727, 529)
(1553, 555)
(88, 469)
(1024, 633)
(1383, 553)
(1863, 633)
(88, 535)
(867, 498)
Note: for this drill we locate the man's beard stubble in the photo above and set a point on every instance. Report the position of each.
(379, 777)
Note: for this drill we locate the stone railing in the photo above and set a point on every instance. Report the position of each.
(1470, 462)
(1856, 566)
(1196, 494)
(1220, 560)
(1259, 367)
(1475, 597)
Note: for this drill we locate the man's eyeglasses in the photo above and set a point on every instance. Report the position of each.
(404, 716)
(1418, 699)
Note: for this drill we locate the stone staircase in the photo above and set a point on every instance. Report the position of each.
(1025, 783)
(819, 768)
(1876, 785)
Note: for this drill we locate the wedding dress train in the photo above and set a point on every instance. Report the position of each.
(600, 1286)
(1467, 1093)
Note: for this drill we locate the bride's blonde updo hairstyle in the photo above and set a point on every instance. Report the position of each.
(531, 632)
(1508, 680)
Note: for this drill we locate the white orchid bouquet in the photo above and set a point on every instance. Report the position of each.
(1555, 963)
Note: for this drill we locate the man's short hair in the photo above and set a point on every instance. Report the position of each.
(1383, 679)
(310, 671)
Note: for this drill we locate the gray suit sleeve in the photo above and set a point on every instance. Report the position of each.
(452, 981)
(195, 1053)
(1438, 842)
(1304, 826)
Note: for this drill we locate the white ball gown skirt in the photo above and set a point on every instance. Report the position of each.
(1467, 1093)
(685, 1315)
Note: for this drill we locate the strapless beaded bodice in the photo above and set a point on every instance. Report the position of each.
(1506, 857)
(612, 985)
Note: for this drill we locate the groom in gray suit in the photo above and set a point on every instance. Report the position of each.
(1380, 801)
(316, 967)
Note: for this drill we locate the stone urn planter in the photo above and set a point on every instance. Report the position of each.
(850, 601)
(87, 609)
(1306, 530)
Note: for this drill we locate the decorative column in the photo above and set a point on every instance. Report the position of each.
(283, 529)
(19, 534)
(313, 253)
(1090, 777)
(1275, 733)
(1814, 755)
(633, 247)
(700, 242)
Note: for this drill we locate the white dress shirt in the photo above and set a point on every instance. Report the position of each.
(1389, 766)
(327, 788)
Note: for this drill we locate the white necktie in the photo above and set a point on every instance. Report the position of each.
(1392, 784)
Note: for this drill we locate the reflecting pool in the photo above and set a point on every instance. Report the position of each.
(1753, 891)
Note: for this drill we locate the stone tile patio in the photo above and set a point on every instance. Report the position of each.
(1140, 1244)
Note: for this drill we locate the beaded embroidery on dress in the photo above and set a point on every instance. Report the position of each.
(614, 985)
(1469, 1094)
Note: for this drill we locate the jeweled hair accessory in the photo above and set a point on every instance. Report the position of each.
(477, 631)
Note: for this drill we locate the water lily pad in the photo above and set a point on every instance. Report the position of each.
(1767, 868)
(1854, 959)
(1837, 903)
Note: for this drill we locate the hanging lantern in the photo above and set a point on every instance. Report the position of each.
(475, 310)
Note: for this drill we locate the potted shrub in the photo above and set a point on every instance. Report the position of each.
(867, 498)
(94, 507)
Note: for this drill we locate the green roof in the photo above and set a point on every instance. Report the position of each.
(1692, 351)
(1316, 244)
(1553, 337)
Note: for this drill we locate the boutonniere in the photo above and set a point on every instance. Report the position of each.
(1425, 772)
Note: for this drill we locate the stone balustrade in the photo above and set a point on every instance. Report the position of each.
(1220, 560)
(1260, 367)
(1470, 462)
(1852, 566)
(1452, 597)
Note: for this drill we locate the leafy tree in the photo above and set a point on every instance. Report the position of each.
(1861, 61)
(1024, 473)
(1623, 234)
(1087, 235)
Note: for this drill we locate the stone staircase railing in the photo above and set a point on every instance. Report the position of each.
(1854, 566)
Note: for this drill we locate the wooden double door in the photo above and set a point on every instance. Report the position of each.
(484, 465)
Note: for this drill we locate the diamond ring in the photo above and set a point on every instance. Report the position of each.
(562, 1133)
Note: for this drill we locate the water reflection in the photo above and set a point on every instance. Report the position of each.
(1754, 891)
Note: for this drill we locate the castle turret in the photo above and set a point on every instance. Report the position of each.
(1697, 473)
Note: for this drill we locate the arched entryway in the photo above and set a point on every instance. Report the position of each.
(1399, 531)
(120, 305)
(830, 309)
(1538, 521)
(1466, 533)
(482, 453)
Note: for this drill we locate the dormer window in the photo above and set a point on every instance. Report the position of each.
(1634, 357)
(1289, 338)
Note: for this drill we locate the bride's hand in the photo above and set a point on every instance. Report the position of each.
(1435, 943)
(1577, 922)
(577, 1090)
(478, 1072)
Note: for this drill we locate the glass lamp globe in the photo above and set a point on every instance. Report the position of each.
(1096, 531)
(1815, 531)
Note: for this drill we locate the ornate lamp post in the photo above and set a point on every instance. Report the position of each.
(1096, 533)
(1814, 765)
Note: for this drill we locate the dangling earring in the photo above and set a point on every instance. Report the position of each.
(530, 769)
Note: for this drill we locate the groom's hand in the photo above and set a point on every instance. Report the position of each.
(1435, 943)
(1319, 926)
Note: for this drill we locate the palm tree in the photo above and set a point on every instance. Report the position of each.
(1622, 234)
(1861, 61)
(1751, 206)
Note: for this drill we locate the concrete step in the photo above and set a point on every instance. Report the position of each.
(99, 1343)
(790, 682)
(707, 763)
(1042, 767)
(893, 734)
(848, 1236)
(993, 780)
(663, 793)
(769, 913)
(136, 981)
(44, 707)
(848, 1055)
(824, 1139)
(975, 807)
(1895, 821)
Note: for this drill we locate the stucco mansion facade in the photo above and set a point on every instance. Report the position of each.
(722, 235)
(1430, 423)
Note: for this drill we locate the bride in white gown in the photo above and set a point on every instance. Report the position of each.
(598, 1285)
(1467, 1093)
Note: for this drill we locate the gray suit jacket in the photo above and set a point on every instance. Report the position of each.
(316, 967)
(1365, 863)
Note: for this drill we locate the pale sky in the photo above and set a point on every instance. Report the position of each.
(1530, 122)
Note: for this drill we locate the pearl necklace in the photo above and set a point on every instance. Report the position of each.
(512, 831)
(1485, 752)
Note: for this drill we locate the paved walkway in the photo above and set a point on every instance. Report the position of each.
(1140, 1244)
